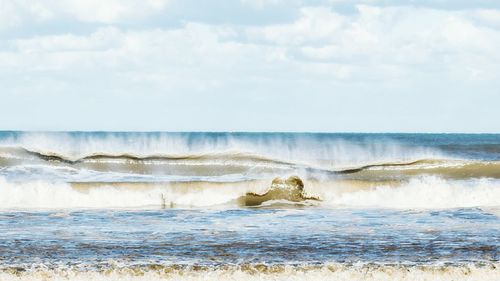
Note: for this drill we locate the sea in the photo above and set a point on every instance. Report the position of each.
(249, 206)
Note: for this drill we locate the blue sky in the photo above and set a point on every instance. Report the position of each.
(261, 65)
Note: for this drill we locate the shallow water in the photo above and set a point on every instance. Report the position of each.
(254, 235)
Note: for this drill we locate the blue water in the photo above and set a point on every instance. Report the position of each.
(213, 237)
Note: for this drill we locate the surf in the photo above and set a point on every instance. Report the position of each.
(334, 271)
(151, 170)
(417, 193)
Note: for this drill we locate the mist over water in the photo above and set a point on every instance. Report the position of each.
(277, 206)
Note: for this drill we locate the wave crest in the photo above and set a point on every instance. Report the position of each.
(237, 162)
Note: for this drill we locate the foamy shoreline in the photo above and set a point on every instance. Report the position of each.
(334, 271)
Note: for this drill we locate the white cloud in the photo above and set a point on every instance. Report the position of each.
(489, 16)
(266, 3)
(410, 39)
(16, 12)
(375, 43)
(315, 24)
(102, 39)
(110, 11)
(13, 13)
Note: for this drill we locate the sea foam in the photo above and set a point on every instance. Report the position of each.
(418, 193)
(263, 272)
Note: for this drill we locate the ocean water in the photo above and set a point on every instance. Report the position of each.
(249, 206)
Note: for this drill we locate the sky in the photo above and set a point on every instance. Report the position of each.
(250, 65)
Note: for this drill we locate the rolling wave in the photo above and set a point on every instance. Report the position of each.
(324, 150)
(22, 152)
(226, 163)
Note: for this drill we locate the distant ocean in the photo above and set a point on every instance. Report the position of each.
(249, 206)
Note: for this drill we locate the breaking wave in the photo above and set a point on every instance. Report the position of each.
(417, 193)
(220, 163)
(140, 170)
(323, 150)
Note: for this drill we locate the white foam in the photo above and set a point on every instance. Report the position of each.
(419, 193)
(426, 192)
(46, 195)
(332, 272)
